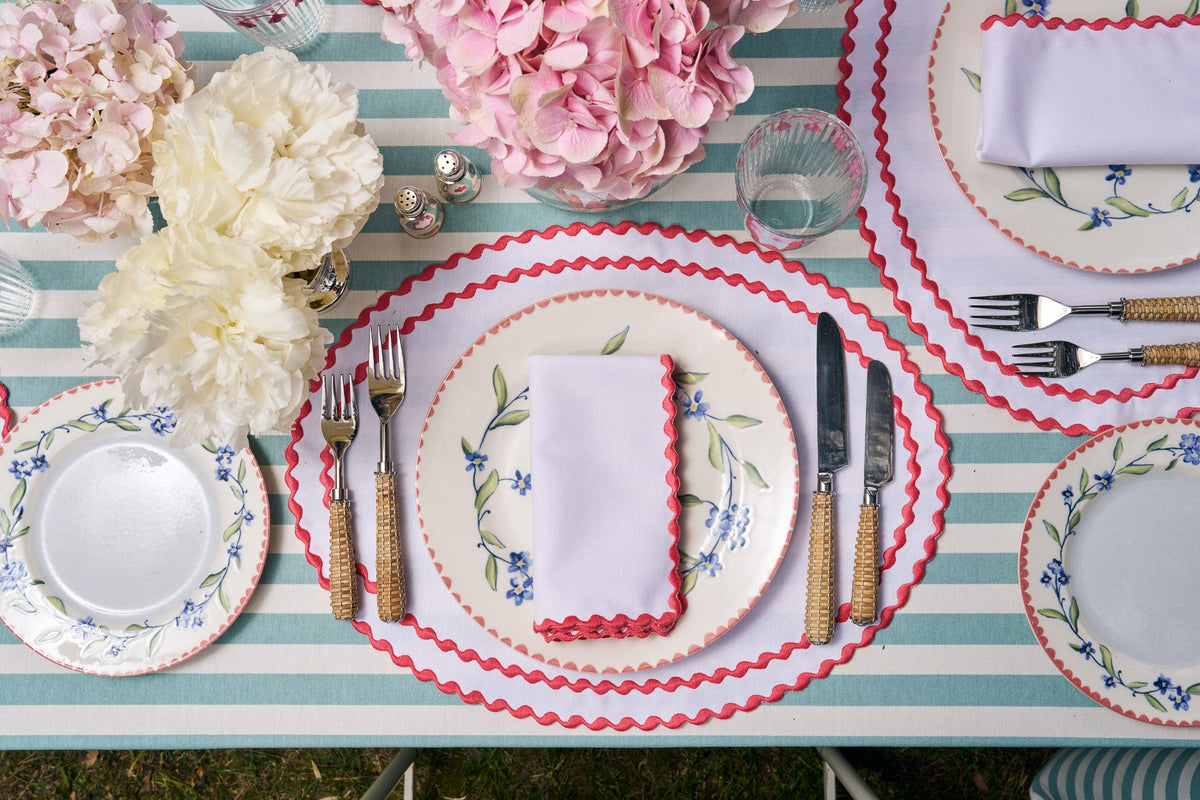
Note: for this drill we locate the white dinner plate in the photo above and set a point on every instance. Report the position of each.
(738, 472)
(120, 554)
(1108, 569)
(1147, 211)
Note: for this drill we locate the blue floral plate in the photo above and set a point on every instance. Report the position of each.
(1118, 218)
(1108, 569)
(738, 471)
(120, 554)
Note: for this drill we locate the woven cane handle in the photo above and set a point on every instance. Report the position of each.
(1187, 354)
(343, 587)
(1163, 309)
(819, 610)
(389, 566)
(866, 567)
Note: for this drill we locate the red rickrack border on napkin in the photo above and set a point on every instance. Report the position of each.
(6, 414)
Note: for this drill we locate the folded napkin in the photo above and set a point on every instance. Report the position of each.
(605, 511)
(1062, 94)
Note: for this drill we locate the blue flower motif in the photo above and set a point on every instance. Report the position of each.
(85, 629)
(519, 562)
(1190, 443)
(19, 468)
(1179, 698)
(520, 592)
(719, 522)
(114, 650)
(225, 453)
(1068, 495)
(37, 464)
(1036, 8)
(1101, 217)
(1104, 480)
(248, 516)
(1162, 684)
(163, 425)
(100, 412)
(1118, 175)
(710, 564)
(695, 407)
(1087, 650)
(235, 551)
(741, 522)
(192, 616)
(523, 483)
(5, 544)
(475, 461)
(1110, 681)
(12, 575)
(1055, 574)
(224, 473)
(1194, 173)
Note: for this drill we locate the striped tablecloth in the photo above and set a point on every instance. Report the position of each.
(958, 664)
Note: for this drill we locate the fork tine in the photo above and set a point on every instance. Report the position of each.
(398, 351)
(372, 360)
(998, 298)
(324, 393)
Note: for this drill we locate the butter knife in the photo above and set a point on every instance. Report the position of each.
(877, 471)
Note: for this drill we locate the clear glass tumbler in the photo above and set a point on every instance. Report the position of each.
(289, 24)
(800, 174)
(16, 293)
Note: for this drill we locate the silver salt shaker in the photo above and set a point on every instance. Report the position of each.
(420, 213)
(457, 178)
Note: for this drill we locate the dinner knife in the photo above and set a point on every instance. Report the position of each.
(877, 471)
(819, 612)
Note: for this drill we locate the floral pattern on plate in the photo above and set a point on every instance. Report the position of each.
(42, 597)
(1100, 599)
(1115, 218)
(738, 472)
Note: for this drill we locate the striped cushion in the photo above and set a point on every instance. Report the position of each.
(1119, 773)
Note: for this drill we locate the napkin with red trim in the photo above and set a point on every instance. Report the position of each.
(605, 510)
(1108, 93)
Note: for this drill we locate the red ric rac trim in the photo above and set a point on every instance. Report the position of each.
(5, 412)
(622, 625)
(1054, 23)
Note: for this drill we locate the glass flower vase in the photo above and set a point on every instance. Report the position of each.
(576, 198)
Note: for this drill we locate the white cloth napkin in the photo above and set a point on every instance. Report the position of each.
(605, 512)
(1062, 94)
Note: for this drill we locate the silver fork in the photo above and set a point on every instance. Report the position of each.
(339, 423)
(385, 384)
(1059, 359)
(1031, 312)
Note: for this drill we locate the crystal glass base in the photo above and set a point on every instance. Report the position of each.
(581, 200)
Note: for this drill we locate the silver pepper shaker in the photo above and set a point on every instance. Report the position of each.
(457, 178)
(420, 213)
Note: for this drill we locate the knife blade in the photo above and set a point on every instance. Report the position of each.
(819, 612)
(877, 471)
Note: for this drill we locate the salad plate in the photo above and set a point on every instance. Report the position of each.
(1118, 218)
(1107, 570)
(737, 467)
(121, 554)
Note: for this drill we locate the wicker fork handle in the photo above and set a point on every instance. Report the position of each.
(866, 566)
(1162, 309)
(819, 609)
(389, 561)
(1187, 354)
(343, 586)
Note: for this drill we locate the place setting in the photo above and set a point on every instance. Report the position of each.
(1006, 211)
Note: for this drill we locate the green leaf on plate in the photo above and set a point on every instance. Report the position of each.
(1074, 613)
(491, 570)
(1136, 684)
(500, 387)
(686, 560)
(1118, 449)
(714, 446)
(973, 79)
(486, 490)
(511, 418)
(1053, 186)
(1106, 660)
(1087, 226)
(241, 473)
(209, 445)
(491, 538)
(689, 378)
(18, 494)
(689, 500)
(81, 425)
(614, 344)
(26, 446)
(1178, 200)
(57, 603)
(1010, 7)
(1121, 204)
(134, 628)
(1053, 531)
(155, 641)
(222, 599)
(1083, 480)
(689, 581)
(1073, 522)
(1174, 461)
(1131, 8)
(1191, 10)
(742, 421)
(1157, 443)
(1135, 469)
(752, 475)
(211, 579)
(232, 530)
(468, 451)
(1195, 687)
(1152, 700)
(50, 635)
(1052, 613)
(1028, 193)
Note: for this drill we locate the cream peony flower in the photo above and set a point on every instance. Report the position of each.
(212, 327)
(270, 151)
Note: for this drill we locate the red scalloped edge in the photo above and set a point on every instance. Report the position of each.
(1055, 23)
(697, 679)
(622, 625)
(6, 413)
(890, 283)
(1027, 596)
(263, 508)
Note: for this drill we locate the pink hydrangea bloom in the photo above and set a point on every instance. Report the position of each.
(610, 96)
(86, 82)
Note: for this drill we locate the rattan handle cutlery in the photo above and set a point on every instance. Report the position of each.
(1031, 312)
(339, 423)
(385, 383)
